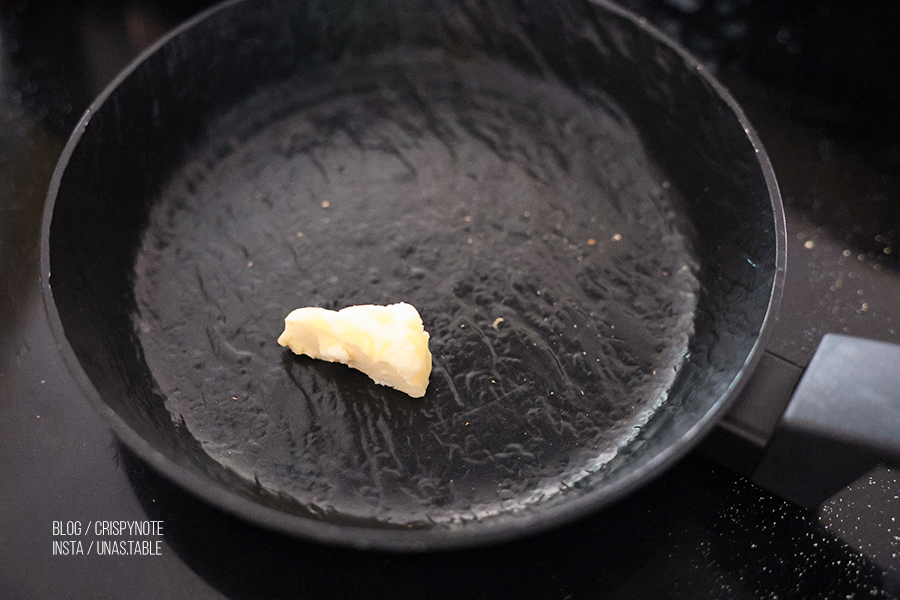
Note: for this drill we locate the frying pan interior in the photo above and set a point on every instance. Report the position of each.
(578, 212)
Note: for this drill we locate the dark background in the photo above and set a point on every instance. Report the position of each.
(820, 80)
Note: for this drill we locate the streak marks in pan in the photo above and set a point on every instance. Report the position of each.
(466, 189)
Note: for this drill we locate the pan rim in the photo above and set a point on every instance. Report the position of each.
(487, 532)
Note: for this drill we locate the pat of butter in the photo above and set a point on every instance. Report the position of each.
(387, 343)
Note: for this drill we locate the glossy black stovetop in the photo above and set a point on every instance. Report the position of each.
(818, 81)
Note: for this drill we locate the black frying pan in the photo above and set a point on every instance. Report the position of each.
(583, 217)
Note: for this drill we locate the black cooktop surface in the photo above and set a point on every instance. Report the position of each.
(819, 81)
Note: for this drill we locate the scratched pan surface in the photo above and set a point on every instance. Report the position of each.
(581, 216)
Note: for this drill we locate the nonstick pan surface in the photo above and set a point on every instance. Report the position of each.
(585, 223)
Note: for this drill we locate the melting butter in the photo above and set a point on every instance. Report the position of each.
(387, 343)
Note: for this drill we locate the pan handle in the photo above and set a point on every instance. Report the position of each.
(842, 419)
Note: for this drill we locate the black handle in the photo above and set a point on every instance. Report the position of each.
(842, 419)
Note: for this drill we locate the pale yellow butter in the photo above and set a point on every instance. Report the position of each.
(387, 343)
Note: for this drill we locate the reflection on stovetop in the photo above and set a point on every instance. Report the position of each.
(734, 540)
(829, 116)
